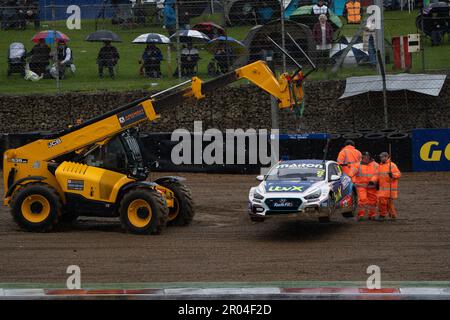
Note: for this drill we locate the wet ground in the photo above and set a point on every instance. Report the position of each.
(222, 244)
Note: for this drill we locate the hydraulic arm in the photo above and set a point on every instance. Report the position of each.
(96, 168)
(147, 109)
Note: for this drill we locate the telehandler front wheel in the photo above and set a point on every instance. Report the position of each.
(36, 207)
(143, 211)
(182, 213)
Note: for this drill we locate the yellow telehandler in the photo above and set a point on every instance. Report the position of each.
(96, 168)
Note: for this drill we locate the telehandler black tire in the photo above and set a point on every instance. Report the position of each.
(183, 211)
(143, 211)
(69, 217)
(36, 207)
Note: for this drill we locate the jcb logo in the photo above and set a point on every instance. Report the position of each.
(54, 143)
(432, 151)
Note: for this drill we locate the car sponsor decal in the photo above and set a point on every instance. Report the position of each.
(287, 186)
(283, 203)
(131, 116)
(53, 143)
(346, 202)
(285, 189)
(299, 166)
(345, 182)
(320, 173)
(338, 194)
(76, 185)
(18, 160)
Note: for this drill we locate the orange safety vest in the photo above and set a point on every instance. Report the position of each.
(388, 188)
(349, 156)
(363, 173)
(353, 12)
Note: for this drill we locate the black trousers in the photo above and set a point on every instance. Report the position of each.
(38, 67)
(108, 64)
(152, 69)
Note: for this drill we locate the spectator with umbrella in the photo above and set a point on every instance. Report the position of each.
(223, 55)
(41, 52)
(152, 56)
(225, 50)
(108, 55)
(40, 56)
(189, 55)
(64, 58)
(189, 60)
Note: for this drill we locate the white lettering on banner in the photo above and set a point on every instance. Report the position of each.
(374, 13)
(241, 147)
(73, 22)
(74, 280)
(374, 280)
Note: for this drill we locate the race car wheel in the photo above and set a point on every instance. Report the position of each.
(143, 211)
(331, 204)
(257, 219)
(36, 207)
(183, 211)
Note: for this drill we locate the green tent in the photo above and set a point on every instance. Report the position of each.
(303, 15)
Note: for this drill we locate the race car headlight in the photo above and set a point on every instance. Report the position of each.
(258, 196)
(316, 194)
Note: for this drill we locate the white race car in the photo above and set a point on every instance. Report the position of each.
(315, 188)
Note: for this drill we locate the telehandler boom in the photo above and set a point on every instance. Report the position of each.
(97, 168)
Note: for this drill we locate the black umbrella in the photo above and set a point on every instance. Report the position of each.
(102, 36)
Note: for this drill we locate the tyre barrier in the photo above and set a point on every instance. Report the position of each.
(353, 136)
(335, 136)
(375, 136)
(342, 132)
(364, 131)
(389, 130)
(157, 149)
(397, 136)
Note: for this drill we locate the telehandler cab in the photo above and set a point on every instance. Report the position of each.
(96, 168)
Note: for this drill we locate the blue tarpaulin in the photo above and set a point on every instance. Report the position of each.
(293, 5)
(90, 9)
(338, 7)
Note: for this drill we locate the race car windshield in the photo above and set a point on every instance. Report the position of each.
(304, 174)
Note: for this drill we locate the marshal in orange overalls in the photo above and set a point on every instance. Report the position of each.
(388, 188)
(367, 194)
(348, 158)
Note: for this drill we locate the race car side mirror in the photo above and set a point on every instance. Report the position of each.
(260, 178)
(334, 177)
